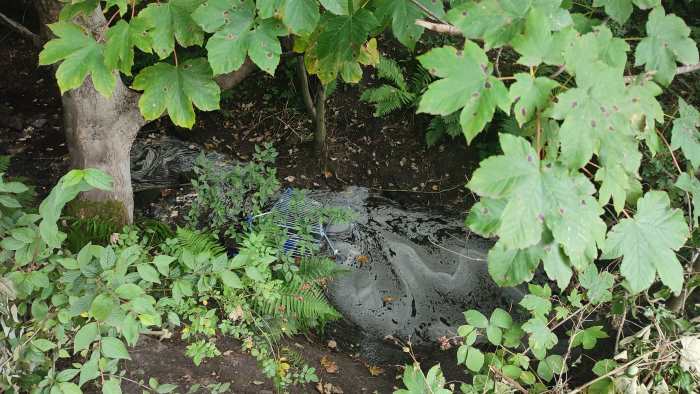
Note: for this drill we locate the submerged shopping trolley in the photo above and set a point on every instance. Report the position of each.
(289, 213)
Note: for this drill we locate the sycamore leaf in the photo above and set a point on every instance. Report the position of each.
(593, 53)
(122, 5)
(529, 95)
(667, 42)
(403, 16)
(80, 55)
(340, 7)
(647, 243)
(340, 42)
(301, 16)
(176, 89)
(494, 21)
(269, 8)
(691, 184)
(72, 9)
(120, 41)
(485, 216)
(466, 82)
(620, 10)
(171, 21)
(510, 267)
(557, 266)
(538, 45)
(685, 133)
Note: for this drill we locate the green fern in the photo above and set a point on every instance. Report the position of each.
(390, 70)
(95, 230)
(420, 79)
(197, 242)
(388, 98)
(4, 163)
(315, 268)
(307, 305)
(158, 231)
(440, 126)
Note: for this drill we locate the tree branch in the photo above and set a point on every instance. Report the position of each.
(230, 80)
(442, 28)
(20, 29)
(304, 81)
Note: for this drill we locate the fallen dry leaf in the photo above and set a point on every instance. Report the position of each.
(375, 370)
(388, 299)
(327, 174)
(332, 344)
(329, 365)
(328, 388)
(362, 259)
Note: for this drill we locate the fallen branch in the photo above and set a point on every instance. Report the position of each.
(442, 28)
(20, 29)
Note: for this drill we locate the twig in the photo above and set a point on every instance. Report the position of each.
(443, 28)
(512, 382)
(650, 74)
(425, 9)
(19, 28)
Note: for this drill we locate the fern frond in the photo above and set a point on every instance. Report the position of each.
(157, 230)
(510, 126)
(443, 125)
(305, 304)
(420, 79)
(197, 242)
(95, 230)
(385, 98)
(315, 268)
(390, 70)
(4, 163)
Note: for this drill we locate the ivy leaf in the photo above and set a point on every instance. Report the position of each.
(620, 10)
(541, 337)
(120, 41)
(538, 45)
(685, 133)
(599, 285)
(176, 89)
(80, 55)
(530, 95)
(301, 16)
(667, 42)
(588, 337)
(403, 16)
(466, 82)
(689, 183)
(171, 21)
(647, 243)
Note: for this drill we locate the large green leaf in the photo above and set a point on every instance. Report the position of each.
(667, 42)
(170, 21)
(301, 16)
(530, 95)
(537, 44)
(120, 41)
(176, 89)
(620, 10)
(511, 267)
(494, 21)
(685, 133)
(465, 82)
(647, 243)
(403, 16)
(691, 184)
(81, 56)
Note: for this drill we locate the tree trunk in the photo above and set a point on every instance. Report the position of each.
(320, 123)
(100, 132)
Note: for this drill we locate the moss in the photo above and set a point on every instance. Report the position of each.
(110, 211)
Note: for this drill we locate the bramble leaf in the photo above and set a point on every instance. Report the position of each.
(79, 55)
(176, 89)
(466, 82)
(685, 133)
(647, 243)
(667, 42)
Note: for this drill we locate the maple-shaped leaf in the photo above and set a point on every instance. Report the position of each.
(301, 16)
(340, 42)
(691, 184)
(666, 43)
(539, 195)
(537, 44)
(485, 216)
(511, 267)
(340, 7)
(686, 134)
(647, 243)
(557, 266)
(176, 89)
(529, 95)
(494, 21)
(120, 42)
(122, 5)
(269, 8)
(617, 184)
(171, 21)
(80, 55)
(593, 53)
(465, 82)
(620, 10)
(74, 8)
(403, 16)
